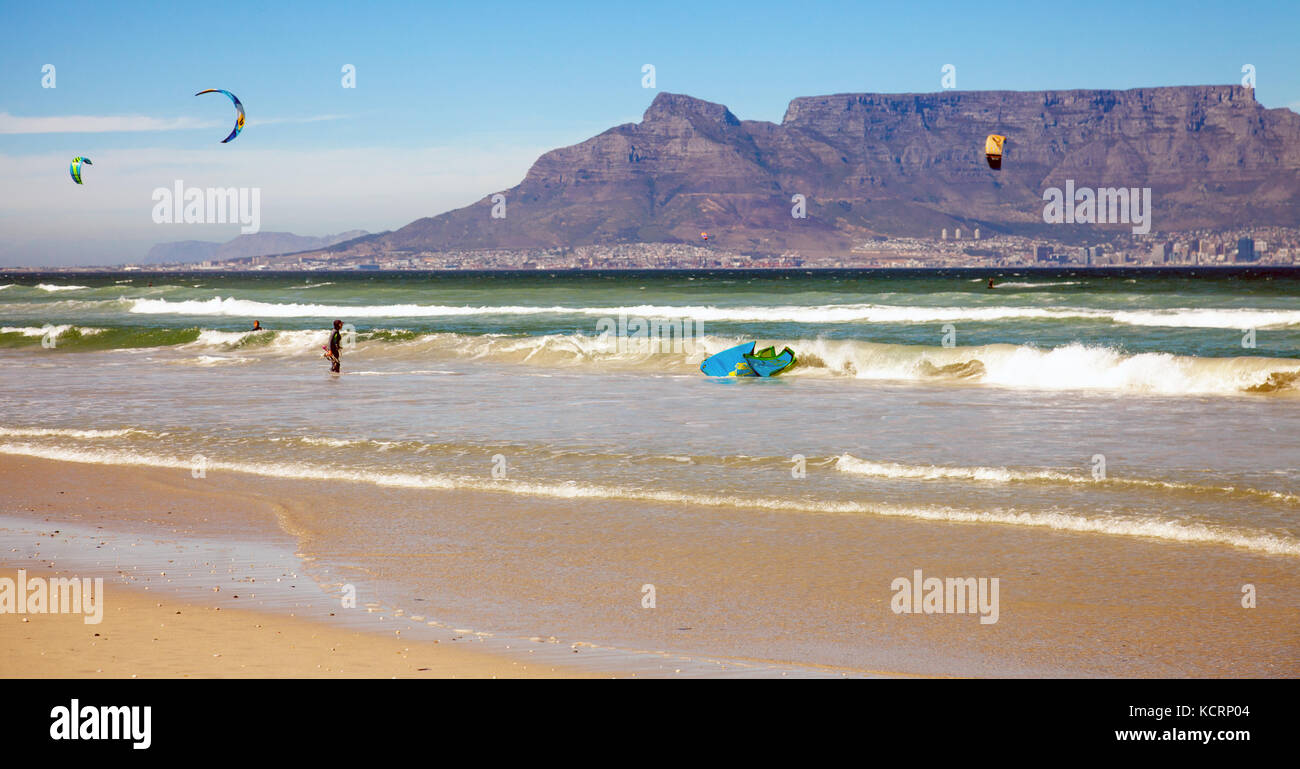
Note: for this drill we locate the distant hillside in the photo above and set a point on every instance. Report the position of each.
(893, 164)
(259, 244)
(181, 252)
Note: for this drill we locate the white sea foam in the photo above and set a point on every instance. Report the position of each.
(42, 432)
(31, 330)
(1014, 284)
(58, 330)
(1069, 367)
(847, 463)
(290, 341)
(51, 287)
(1208, 318)
(1165, 530)
(846, 313)
(212, 338)
(332, 442)
(216, 360)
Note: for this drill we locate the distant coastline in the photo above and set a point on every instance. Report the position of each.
(1263, 247)
(972, 270)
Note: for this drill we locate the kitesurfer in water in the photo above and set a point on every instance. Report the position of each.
(336, 346)
(991, 283)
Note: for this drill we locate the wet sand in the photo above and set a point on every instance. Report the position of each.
(745, 589)
(174, 624)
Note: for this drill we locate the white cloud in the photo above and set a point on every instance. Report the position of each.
(12, 124)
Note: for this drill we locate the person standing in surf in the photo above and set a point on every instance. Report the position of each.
(336, 347)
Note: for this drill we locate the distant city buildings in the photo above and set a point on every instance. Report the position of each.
(1262, 246)
(1245, 250)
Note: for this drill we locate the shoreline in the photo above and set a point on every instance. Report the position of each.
(1116, 605)
(165, 614)
(244, 565)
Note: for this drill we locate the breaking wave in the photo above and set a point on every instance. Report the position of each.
(1068, 367)
(846, 313)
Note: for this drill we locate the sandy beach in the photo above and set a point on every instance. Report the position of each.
(142, 637)
(272, 553)
(148, 629)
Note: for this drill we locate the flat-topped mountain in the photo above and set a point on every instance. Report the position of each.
(895, 164)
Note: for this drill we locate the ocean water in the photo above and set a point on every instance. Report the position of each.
(1124, 404)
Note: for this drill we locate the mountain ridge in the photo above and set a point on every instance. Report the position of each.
(874, 164)
(243, 246)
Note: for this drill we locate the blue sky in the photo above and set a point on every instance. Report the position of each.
(454, 101)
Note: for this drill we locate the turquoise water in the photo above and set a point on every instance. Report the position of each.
(1191, 312)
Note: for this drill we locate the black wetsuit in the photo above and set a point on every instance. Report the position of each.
(336, 343)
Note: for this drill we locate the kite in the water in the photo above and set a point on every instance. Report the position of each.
(741, 360)
(993, 150)
(704, 236)
(239, 122)
(75, 168)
